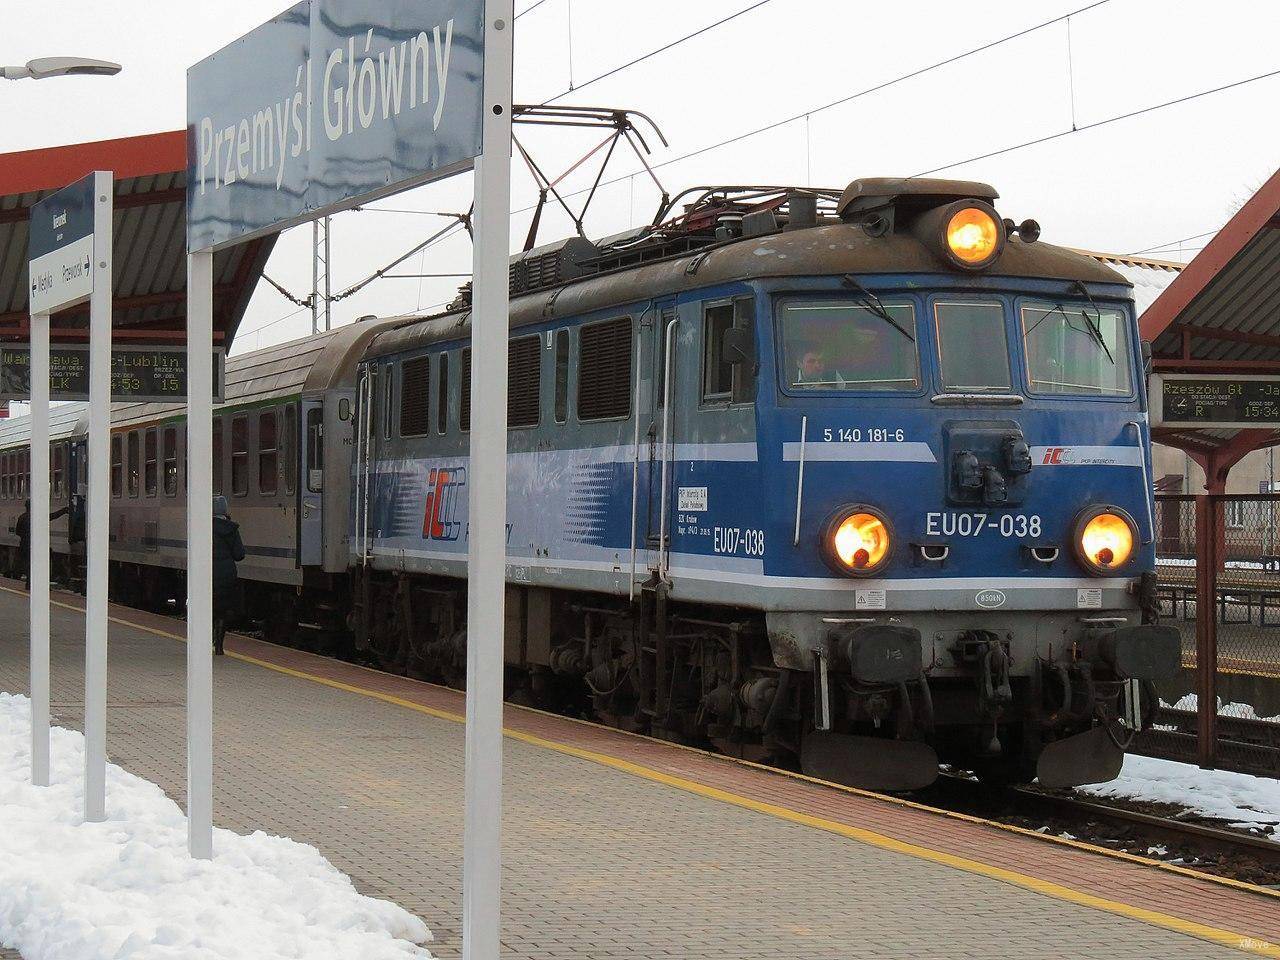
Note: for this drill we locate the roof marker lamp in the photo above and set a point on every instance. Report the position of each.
(1104, 539)
(856, 540)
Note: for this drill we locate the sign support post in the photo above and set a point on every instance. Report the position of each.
(487, 546)
(200, 555)
(38, 567)
(70, 261)
(99, 502)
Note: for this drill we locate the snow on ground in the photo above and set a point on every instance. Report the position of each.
(1191, 703)
(127, 890)
(1236, 797)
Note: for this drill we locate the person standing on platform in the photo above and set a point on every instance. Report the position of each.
(228, 550)
(22, 530)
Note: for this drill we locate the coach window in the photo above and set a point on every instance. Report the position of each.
(24, 473)
(217, 456)
(315, 449)
(972, 347)
(464, 401)
(415, 397)
(59, 467)
(524, 381)
(604, 370)
(289, 448)
(170, 461)
(562, 376)
(239, 456)
(135, 462)
(151, 462)
(268, 453)
(442, 396)
(117, 465)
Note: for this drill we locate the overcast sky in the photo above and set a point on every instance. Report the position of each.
(1120, 187)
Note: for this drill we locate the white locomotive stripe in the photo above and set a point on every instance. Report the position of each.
(618, 453)
(839, 451)
(718, 452)
(1066, 455)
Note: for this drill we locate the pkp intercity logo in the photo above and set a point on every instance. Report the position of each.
(440, 517)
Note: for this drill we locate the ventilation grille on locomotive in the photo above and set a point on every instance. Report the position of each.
(604, 370)
(524, 377)
(464, 400)
(415, 397)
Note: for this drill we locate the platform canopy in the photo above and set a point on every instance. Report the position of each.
(149, 263)
(1221, 315)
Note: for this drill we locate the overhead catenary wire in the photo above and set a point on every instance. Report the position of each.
(901, 78)
(529, 9)
(652, 53)
(1102, 123)
(1173, 243)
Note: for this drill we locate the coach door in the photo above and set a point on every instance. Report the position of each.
(311, 494)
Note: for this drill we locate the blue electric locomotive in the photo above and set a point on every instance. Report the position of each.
(856, 481)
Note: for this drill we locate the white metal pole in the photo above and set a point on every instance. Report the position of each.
(99, 502)
(315, 276)
(200, 554)
(38, 571)
(486, 556)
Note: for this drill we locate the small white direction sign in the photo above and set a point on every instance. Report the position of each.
(61, 248)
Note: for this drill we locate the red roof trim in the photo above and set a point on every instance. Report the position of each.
(1253, 217)
(52, 168)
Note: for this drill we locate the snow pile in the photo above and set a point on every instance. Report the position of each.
(127, 890)
(1236, 797)
(1244, 711)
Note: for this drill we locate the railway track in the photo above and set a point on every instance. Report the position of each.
(1157, 831)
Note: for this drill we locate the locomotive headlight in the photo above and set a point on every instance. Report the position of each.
(973, 236)
(1104, 539)
(857, 540)
(966, 233)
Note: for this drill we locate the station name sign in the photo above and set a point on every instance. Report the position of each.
(329, 104)
(138, 374)
(60, 249)
(1217, 401)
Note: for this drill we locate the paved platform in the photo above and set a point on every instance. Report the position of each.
(618, 846)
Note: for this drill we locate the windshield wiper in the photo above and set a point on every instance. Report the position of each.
(872, 303)
(1095, 327)
(1094, 333)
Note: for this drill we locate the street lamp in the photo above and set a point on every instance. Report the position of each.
(45, 67)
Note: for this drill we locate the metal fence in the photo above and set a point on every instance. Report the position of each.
(1228, 548)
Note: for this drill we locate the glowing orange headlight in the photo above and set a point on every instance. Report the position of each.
(1105, 540)
(973, 236)
(859, 541)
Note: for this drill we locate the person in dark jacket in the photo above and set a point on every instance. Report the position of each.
(22, 530)
(228, 550)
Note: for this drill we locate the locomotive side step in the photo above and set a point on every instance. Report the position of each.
(872, 763)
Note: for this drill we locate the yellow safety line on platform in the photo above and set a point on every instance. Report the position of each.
(1253, 945)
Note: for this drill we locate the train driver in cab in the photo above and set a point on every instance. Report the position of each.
(813, 372)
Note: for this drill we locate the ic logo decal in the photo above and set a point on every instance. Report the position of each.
(439, 519)
(990, 599)
(1053, 456)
